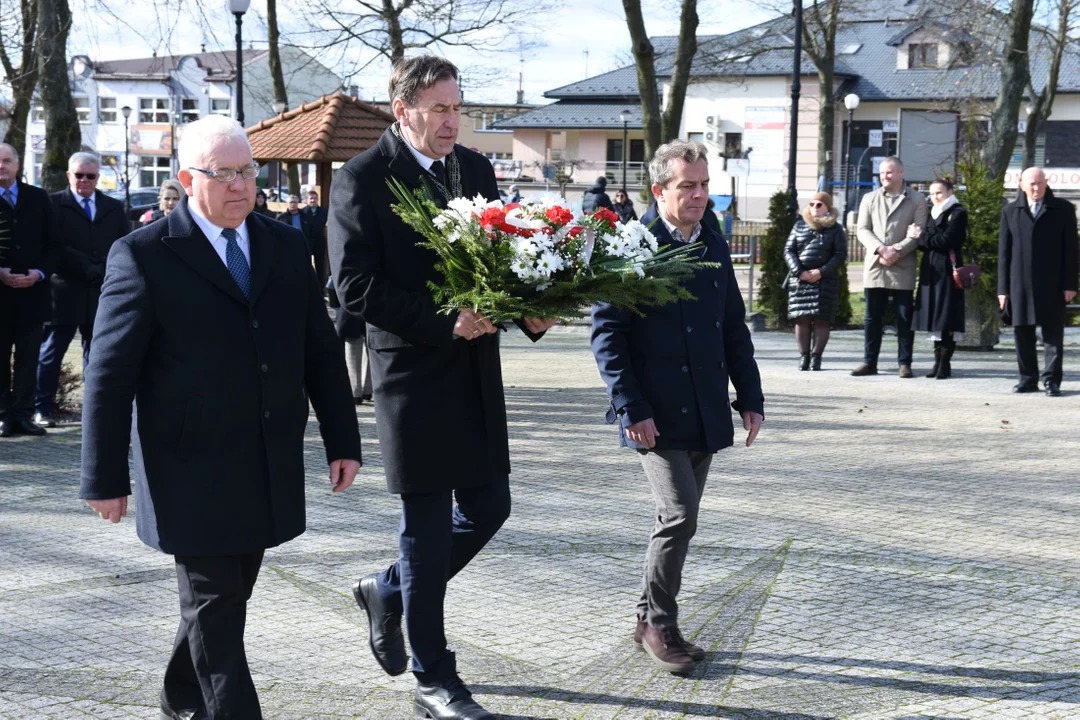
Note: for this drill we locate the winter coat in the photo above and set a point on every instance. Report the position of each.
(939, 304)
(625, 211)
(595, 198)
(815, 244)
(883, 223)
(1037, 259)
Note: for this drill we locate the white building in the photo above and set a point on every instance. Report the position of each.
(165, 93)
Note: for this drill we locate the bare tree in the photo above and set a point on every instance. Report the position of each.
(278, 80)
(18, 34)
(61, 120)
(1015, 76)
(819, 42)
(1042, 102)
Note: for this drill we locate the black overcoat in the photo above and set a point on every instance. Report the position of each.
(1038, 259)
(305, 225)
(939, 304)
(221, 386)
(84, 246)
(439, 403)
(30, 244)
(316, 217)
(674, 363)
(815, 244)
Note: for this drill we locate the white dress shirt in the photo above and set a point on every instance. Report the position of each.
(213, 234)
(424, 160)
(81, 200)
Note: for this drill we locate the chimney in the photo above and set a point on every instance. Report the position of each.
(203, 47)
(520, 97)
(354, 91)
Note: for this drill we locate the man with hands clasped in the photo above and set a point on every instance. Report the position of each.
(891, 220)
(667, 375)
(213, 322)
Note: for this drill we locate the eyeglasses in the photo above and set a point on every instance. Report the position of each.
(227, 175)
(85, 176)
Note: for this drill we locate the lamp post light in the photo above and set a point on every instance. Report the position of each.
(625, 117)
(238, 8)
(851, 101)
(796, 86)
(126, 112)
(279, 106)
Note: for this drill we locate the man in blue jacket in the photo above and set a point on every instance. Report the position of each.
(667, 374)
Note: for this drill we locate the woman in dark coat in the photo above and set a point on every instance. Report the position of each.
(624, 206)
(815, 251)
(260, 204)
(939, 304)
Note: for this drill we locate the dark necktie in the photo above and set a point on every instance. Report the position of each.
(439, 171)
(86, 207)
(6, 194)
(234, 258)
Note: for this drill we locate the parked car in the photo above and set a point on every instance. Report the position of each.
(142, 199)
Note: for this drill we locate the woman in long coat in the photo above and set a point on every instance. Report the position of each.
(815, 251)
(939, 304)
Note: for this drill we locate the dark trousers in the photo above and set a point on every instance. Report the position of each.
(1052, 336)
(17, 393)
(877, 299)
(438, 539)
(55, 340)
(677, 479)
(208, 669)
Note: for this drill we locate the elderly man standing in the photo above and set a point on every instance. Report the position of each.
(676, 415)
(437, 379)
(87, 223)
(891, 219)
(28, 253)
(1037, 276)
(213, 322)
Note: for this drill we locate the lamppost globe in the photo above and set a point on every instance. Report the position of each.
(239, 6)
(851, 101)
(126, 112)
(624, 117)
(279, 107)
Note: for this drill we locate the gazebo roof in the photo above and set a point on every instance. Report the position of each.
(334, 128)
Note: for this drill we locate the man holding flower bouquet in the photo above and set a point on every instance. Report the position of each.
(436, 377)
(667, 373)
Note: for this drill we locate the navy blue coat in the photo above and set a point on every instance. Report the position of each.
(221, 386)
(673, 365)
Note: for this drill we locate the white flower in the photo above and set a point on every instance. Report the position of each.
(549, 263)
(525, 246)
(547, 200)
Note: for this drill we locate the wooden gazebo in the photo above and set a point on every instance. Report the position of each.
(334, 128)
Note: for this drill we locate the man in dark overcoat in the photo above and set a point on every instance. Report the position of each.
(1037, 276)
(667, 375)
(28, 253)
(87, 223)
(316, 218)
(213, 322)
(437, 378)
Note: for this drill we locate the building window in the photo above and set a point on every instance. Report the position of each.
(483, 121)
(154, 111)
(106, 109)
(221, 106)
(189, 110)
(37, 114)
(82, 109)
(922, 55)
(154, 170)
(39, 162)
(698, 137)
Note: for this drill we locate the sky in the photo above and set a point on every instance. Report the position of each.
(131, 29)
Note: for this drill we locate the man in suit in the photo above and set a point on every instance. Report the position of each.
(212, 321)
(27, 256)
(891, 219)
(87, 223)
(1037, 276)
(676, 415)
(293, 216)
(437, 379)
(316, 218)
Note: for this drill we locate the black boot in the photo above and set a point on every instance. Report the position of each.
(815, 361)
(804, 361)
(937, 360)
(944, 371)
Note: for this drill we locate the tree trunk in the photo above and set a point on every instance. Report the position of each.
(23, 79)
(1043, 102)
(1031, 132)
(644, 60)
(680, 74)
(1015, 74)
(395, 39)
(61, 120)
(277, 77)
(826, 124)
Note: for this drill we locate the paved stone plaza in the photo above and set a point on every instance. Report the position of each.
(887, 549)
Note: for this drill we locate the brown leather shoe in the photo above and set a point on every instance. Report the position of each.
(665, 646)
(905, 371)
(864, 369)
(694, 651)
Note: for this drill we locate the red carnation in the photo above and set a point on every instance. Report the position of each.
(607, 216)
(492, 217)
(559, 215)
(574, 232)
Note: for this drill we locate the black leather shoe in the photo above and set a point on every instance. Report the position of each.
(44, 420)
(1052, 389)
(1025, 388)
(27, 427)
(6, 428)
(167, 713)
(384, 627)
(448, 700)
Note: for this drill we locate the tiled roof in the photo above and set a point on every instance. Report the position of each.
(334, 128)
(570, 115)
(221, 63)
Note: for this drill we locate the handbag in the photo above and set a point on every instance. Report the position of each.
(964, 276)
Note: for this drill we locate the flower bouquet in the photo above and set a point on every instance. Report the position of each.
(538, 259)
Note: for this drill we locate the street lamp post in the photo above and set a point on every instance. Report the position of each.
(238, 8)
(126, 112)
(796, 86)
(625, 117)
(851, 101)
